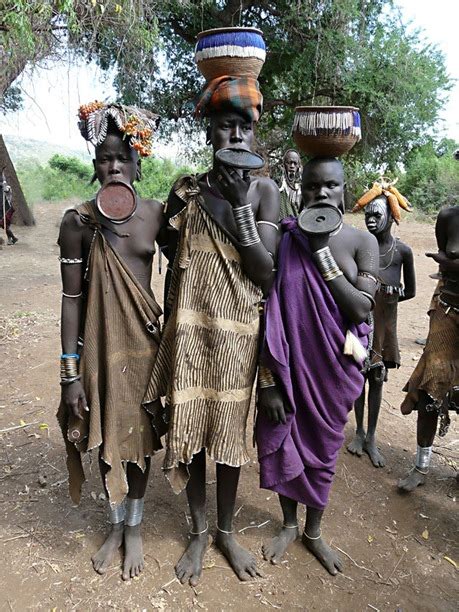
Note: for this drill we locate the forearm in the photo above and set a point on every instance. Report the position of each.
(70, 324)
(258, 264)
(354, 304)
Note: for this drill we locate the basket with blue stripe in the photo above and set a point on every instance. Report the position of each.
(326, 130)
(236, 51)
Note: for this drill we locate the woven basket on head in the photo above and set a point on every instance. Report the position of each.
(230, 51)
(326, 130)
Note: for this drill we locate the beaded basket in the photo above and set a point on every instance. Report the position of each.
(230, 51)
(326, 130)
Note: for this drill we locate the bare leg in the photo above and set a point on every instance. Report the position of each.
(103, 557)
(133, 549)
(356, 446)
(374, 405)
(241, 560)
(315, 544)
(189, 567)
(276, 548)
(426, 429)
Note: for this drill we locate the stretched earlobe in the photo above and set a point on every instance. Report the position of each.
(94, 178)
(138, 173)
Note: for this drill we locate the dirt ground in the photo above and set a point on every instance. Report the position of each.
(400, 551)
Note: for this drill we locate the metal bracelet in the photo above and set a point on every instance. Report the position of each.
(369, 276)
(274, 225)
(370, 297)
(327, 264)
(67, 295)
(245, 221)
(68, 381)
(117, 514)
(66, 260)
(423, 455)
(265, 378)
(134, 511)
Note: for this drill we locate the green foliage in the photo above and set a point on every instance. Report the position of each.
(72, 166)
(65, 177)
(158, 176)
(431, 180)
(11, 101)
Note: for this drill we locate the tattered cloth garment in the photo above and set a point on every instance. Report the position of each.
(290, 203)
(437, 371)
(303, 347)
(207, 358)
(121, 338)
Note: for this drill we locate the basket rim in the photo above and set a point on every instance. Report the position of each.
(299, 109)
(229, 29)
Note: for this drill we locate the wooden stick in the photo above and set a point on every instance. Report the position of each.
(7, 429)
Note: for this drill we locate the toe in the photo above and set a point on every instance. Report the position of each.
(194, 580)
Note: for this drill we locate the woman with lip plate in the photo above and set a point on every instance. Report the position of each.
(314, 346)
(110, 331)
(222, 229)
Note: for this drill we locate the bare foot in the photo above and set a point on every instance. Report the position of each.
(103, 557)
(133, 552)
(330, 560)
(241, 560)
(189, 567)
(356, 446)
(372, 451)
(413, 479)
(274, 551)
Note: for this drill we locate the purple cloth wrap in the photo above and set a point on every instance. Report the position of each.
(304, 339)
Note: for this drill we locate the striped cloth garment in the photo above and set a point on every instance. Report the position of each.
(207, 358)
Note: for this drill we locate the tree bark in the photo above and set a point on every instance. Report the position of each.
(22, 213)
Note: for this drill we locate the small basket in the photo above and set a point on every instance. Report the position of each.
(230, 51)
(326, 131)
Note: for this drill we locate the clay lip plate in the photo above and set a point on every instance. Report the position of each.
(320, 219)
(116, 201)
(240, 158)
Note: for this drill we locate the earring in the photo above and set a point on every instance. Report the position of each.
(208, 141)
(138, 174)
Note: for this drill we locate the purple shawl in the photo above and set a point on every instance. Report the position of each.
(303, 346)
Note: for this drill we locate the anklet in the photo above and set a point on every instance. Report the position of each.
(116, 514)
(199, 532)
(223, 531)
(134, 511)
(310, 537)
(290, 526)
(420, 471)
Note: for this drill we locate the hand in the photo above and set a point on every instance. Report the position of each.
(447, 264)
(233, 186)
(273, 404)
(318, 241)
(74, 399)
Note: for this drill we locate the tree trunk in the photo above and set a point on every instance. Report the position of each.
(22, 215)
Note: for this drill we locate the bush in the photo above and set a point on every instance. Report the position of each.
(68, 177)
(431, 180)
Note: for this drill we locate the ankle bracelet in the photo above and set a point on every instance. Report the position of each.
(420, 471)
(117, 514)
(134, 511)
(290, 526)
(312, 538)
(223, 531)
(197, 533)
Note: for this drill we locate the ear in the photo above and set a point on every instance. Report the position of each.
(208, 135)
(138, 174)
